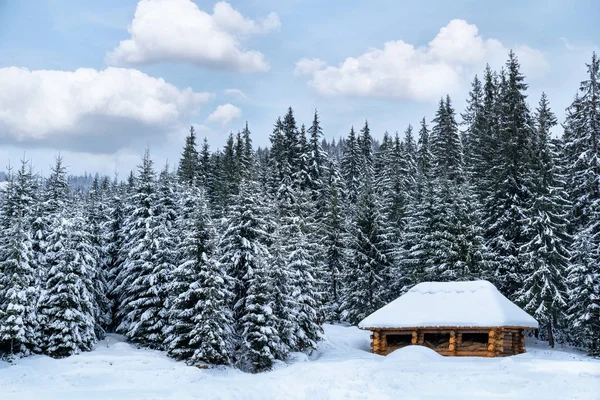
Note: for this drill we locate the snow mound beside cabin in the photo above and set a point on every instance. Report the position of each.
(414, 353)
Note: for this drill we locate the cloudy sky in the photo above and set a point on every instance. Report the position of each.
(100, 81)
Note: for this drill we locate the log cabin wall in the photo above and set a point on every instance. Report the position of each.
(490, 342)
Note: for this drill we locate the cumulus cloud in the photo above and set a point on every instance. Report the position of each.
(178, 31)
(235, 93)
(309, 66)
(402, 71)
(224, 114)
(87, 109)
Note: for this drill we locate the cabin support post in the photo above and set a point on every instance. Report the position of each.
(415, 337)
(521, 336)
(499, 342)
(452, 346)
(491, 342)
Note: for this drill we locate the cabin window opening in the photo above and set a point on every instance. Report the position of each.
(436, 340)
(398, 340)
(475, 337)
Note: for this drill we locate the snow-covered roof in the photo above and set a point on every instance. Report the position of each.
(436, 304)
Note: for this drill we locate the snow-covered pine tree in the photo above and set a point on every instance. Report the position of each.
(244, 253)
(143, 289)
(582, 153)
(114, 238)
(351, 168)
(365, 142)
(19, 328)
(473, 121)
(505, 206)
(334, 244)
(258, 323)
(445, 144)
(318, 162)
(188, 171)
(200, 321)
(582, 146)
(367, 279)
(298, 259)
(545, 256)
(97, 215)
(67, 306)
(482, 124)
(54, 197)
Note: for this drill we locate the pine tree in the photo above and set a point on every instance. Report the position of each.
(96, 216)
(114, 238)
(351, 167)
(18, 291)
(471, 137)
(483, 144)
(244, 253)
(545, 256)
(199, 319)
(506, 204)
(260, 339)
(317, 163)
(67, 306)
(334, 245)
(143, 291)
(368, 274)
(582, 132)
(188, 171)
(446, 146)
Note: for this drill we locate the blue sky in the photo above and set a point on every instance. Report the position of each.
(149, 74)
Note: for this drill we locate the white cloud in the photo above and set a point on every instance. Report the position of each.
(235, 93)
(308, 66)
(178, 31)
(403, 71)
(224, 114)
(89, 109)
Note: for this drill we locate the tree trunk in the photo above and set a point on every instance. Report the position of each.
(550, 334)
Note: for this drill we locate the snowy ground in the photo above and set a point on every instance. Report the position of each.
(342, 368)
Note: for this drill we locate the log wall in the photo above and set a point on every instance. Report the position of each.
(502, 341)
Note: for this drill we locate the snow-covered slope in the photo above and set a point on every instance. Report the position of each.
(341, 368)
(433, 304)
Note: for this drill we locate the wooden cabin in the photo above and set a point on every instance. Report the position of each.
(452, 318)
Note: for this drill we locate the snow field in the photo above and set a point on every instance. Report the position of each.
(341, 368)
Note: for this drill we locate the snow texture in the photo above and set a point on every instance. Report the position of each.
(465, 304)
(340, 368)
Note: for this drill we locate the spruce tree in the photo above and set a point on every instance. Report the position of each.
(545, 256)
(143, 290)
(67, 306)
(199, 318)
(351, 167)
(244, 253)
(582, 132)
(188, 171)
(368, 273)
(505, 206)
(18, 290)
(334, 245)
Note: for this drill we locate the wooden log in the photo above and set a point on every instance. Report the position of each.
(491, 343)
(415, 337)
(463, 353)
